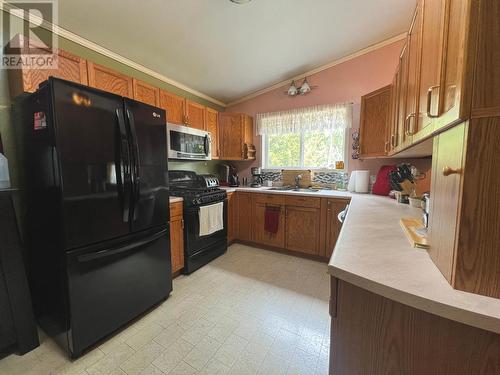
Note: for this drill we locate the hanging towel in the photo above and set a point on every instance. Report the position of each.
(211, 218)
(272, 219)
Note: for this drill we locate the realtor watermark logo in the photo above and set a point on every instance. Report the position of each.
(28, 41)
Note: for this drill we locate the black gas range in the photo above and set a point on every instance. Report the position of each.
(198, 191)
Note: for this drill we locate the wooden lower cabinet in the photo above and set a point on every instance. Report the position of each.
(260, 235)
(244, 213)
(231, 217)
(333, 225)
(176, 237)
(303, 229)
(374, 335)
(307, 225)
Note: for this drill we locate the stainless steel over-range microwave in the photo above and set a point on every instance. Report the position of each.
(188, 143)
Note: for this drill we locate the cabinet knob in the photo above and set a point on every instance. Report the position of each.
(448, 171)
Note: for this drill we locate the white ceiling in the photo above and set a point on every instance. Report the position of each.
(228, 51)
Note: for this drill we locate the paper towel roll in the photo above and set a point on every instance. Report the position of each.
(362, 181)
(352, 182)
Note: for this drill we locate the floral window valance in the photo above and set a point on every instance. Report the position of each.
(317, 118)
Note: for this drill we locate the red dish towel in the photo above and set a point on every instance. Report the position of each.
(272, 219)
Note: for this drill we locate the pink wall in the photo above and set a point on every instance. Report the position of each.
(345, 82)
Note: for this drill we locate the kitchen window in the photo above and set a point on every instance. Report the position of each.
(313, 137)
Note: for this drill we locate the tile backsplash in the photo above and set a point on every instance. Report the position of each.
(320, 177)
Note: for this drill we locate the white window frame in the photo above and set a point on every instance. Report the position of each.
(265, 156)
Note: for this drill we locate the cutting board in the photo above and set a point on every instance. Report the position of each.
(410, 227)
(288, 176)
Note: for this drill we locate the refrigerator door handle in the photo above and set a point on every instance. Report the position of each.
(136, 163)
(124, 166)
(119, 250)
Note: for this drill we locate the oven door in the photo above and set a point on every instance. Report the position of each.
(188, 143)
(193, 242)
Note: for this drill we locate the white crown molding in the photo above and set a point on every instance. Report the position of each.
(286, 82)
(106, 52)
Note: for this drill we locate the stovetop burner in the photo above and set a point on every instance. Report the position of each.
(195, 189)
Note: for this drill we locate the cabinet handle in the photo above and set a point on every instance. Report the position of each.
(448, 171)
(182, 223)
(407, 121)
(429, 99)
(386, 146)
(393, 137)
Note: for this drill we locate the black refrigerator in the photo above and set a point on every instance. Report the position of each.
(97, 210)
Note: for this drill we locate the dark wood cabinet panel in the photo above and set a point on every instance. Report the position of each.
(374, 335)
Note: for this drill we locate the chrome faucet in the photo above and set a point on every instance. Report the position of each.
(297, 181)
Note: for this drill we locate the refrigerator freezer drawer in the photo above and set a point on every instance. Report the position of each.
(111, 287)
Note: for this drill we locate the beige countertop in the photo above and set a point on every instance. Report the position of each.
(373, 253)
(320, 193)
(175, 199)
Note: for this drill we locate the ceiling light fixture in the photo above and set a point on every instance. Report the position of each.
(304, 89)
(240, 1)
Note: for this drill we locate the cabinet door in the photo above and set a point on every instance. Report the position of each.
(261, 236)
(177, 243)
(231, 134)
(109, 80)
(244, 212)
(412, 90)
(212, 123)
(195, 115)
(70, 67)
(230, 217)
(394, 111)
(374, 118)
(430, 69)
(403, 88)
(302, 229)
(333, 225)
(454, 64)
(445, 198)
(146, 93)
(174, 105)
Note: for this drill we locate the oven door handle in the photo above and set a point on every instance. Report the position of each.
(119, 250)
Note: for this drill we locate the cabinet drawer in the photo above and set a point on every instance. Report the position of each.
(269, 198)
(299, 201)
(175, 210)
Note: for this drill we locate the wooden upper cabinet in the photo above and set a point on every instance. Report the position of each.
(110, 80)
(195, 115)
(174, 105)
(448, 152)
(413, 81)
(70, 67)
(212, 125)
(146, 93)
(403, 136)
(375, 123)
(235, 136)
(433, 13)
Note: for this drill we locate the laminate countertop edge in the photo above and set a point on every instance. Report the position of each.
(373, 253)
